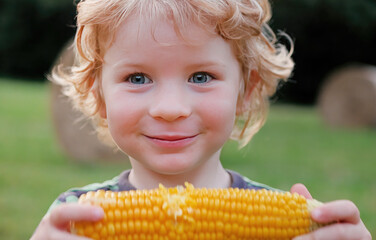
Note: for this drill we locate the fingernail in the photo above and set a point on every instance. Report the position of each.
(302, 237)
(98, 213)
(316, 213)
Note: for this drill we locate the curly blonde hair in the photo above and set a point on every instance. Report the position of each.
(243, 23)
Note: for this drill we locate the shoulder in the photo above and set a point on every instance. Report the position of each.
(109, 185)
(73, 194)
(242, 182)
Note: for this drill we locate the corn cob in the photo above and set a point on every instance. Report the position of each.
(197, 213)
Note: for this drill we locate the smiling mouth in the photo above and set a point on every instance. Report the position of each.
(172, 141)
(171, 138)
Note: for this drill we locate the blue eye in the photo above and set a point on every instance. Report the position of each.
(200, 77)
(138, 78)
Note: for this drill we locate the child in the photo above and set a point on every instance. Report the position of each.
(169, 82)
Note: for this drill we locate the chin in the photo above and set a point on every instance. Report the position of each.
(174, 168)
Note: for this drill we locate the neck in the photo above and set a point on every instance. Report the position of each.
(210, 174)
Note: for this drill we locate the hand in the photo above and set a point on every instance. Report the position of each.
(56, 224)
(344, 213)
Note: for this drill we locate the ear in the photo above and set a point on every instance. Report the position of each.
(96, 91)
(245, 101)
(102, 109)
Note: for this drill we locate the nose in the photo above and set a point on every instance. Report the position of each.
(170, 103)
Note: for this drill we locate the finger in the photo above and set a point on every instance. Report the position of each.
(63, 214)
(336, 231)
(61, 235)
(301, 189)
(338, 211)
(46, 230)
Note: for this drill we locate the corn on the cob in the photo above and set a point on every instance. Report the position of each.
(194, 213)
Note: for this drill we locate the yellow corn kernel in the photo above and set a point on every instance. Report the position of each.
(198, 213)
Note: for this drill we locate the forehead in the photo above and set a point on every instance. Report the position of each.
(155, 45)
(138, 39)
(164, 31)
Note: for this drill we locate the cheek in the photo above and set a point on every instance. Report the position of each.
(122, 115)
(220, 114)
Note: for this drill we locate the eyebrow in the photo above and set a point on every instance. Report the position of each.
(207, 64)
(193, 65)
(126, 63)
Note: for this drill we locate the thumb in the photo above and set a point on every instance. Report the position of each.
(64, 213)
(301, 189)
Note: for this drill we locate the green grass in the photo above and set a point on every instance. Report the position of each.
(292, 147)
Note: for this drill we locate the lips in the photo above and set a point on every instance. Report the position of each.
(172, 141)
(171, 138)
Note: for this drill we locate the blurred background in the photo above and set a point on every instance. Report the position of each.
(321, 127)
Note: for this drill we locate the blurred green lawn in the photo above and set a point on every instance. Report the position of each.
(294, 146)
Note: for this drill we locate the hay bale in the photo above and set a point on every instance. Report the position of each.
(348, 97)
(75, 133)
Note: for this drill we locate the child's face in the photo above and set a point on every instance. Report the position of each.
(170, 106)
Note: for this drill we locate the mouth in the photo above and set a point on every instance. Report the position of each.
(172, 141)
(171, 138)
